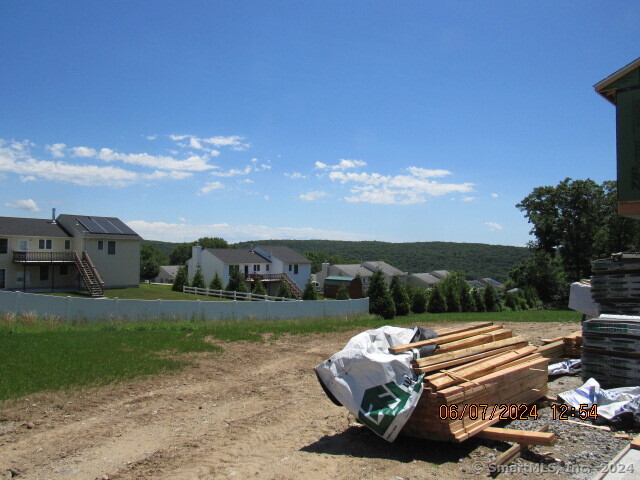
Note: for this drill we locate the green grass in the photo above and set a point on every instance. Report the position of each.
(38, 354)
(550, 315)
(148, 292)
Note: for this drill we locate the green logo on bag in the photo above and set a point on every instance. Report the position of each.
(380, 405)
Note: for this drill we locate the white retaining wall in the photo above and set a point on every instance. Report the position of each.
(103, 308)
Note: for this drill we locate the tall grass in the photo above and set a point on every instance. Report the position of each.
(45, 353)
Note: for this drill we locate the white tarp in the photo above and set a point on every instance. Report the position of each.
(568, 367)
(581, 301)
(611, 402)
(377, 387)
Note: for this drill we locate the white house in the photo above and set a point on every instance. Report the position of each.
(68, 252)
(272, 264)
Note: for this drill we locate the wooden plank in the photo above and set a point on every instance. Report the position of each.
(515, 451)
(452, 363)
(635, 443)
(476, 369)
(478, 383)
(599, 427)
(469, 326)
(474, 341)
(467, 352)
(520, 436)
(444, 339)
(555, 349)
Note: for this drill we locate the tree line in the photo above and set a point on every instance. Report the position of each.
(573, 223)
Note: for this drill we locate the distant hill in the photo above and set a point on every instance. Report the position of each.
(474, 260)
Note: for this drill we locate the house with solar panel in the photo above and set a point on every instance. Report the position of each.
(68, 252)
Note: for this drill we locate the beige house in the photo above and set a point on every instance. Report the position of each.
(70, 252)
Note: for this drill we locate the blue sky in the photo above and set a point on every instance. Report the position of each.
(360, 120)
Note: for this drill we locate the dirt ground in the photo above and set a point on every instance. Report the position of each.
(254, 411)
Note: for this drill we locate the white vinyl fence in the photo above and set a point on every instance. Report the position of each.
(236, 295)
(71, 308)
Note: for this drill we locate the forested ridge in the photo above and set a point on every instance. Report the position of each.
(473, 260)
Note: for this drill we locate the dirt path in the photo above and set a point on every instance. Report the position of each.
(254, 411)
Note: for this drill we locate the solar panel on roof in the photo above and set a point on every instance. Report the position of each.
(107, 225)
(110, 226)
(91, 225)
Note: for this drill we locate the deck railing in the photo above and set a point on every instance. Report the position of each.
(20, 256)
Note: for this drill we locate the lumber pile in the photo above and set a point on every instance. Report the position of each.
(477, 376)
(559, 347)
(573, 345)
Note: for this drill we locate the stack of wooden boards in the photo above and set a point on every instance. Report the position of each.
(560, 347)
(612, 350)
(475, 376)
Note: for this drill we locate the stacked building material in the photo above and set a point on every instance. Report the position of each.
(611, 350)
(558, 348)
(615, 283)
(474, 379)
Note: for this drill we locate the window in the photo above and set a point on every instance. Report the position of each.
(290, 267)
(111, 247)
(23, 245)
(295, 269)
(44, 244)
(256, 268)
(44, 272)
(4, 245)
(64, 269)
(100, 245)
(267, 267)
(67, 244)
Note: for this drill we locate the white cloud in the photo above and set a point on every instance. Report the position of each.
(311, 196)
(398, 189)
(180, 232)
(246, 180)
(234, 172)
(210, 187)
(468, 199)
(84, 152)
(56, 150)
(295, 175)
(205, 144)
(152, 137)
(494, 195)
(194, 163)
(16, 158)
(494, 226)
(182, 219)
(344, 164)
(426, 173)
(27, 204)
(267, 198)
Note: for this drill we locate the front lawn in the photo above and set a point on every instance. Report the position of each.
(147, 291)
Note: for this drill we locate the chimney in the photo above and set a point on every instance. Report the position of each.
(53, 216)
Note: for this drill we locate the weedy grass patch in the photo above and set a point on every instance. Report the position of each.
(46, 353)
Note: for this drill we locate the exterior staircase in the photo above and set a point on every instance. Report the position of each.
(295, 290)
(90, 275)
